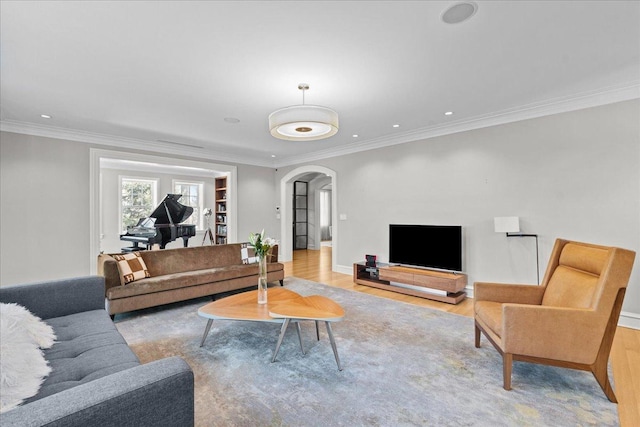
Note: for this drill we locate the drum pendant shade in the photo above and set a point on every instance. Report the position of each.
(303, 122)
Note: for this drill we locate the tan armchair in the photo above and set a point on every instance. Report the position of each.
(567, 321)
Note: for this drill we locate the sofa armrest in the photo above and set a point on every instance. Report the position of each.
(108, 267)
(154, 394)
(557, 333)
(57, 298)
(505, 293)
(273, 254)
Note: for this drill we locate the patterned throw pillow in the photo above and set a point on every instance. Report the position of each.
(132, 266)
(248, 254)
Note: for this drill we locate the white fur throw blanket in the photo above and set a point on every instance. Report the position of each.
(22, 364)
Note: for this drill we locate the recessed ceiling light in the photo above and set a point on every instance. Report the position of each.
(45, 116)
(231, 120)
(273, 155)
(354, 135)
(459, 12)
(396, 126)
(448, 113)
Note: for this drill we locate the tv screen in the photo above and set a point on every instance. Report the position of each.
(431, 246)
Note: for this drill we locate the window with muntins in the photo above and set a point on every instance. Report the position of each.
(137, 200)
(191, 196)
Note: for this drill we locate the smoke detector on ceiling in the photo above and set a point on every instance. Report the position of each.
(459, 12)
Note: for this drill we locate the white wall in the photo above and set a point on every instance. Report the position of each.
(574, 175)
(257, 202)
(45, 207)
(44, 202)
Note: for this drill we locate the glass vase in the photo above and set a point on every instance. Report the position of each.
(262, 279)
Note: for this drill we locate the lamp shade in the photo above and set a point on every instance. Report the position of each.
(303, 123)
(506, 224)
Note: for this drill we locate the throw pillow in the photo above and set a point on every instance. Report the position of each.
(132, 266)
(23, 367)
(248, 254)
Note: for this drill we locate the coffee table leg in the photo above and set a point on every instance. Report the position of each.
(317, 330)
(285, 324)
(206, 331)
(333, 345)
(300, 336)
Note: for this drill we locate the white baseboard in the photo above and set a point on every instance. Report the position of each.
(343, 269)
(629, 320)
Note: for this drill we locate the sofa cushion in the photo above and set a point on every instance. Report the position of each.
(186, 279)
(491, 315)
(180, 260)
(585, 258)
(131, 266)
(569, 287)
(88, 347)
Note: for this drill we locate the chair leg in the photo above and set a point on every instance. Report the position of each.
(599, 371)
(477, 337)
(507, 365)
(599, 368)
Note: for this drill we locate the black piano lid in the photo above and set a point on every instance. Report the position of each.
(170, 206)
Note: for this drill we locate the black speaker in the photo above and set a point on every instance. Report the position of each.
(371, 260)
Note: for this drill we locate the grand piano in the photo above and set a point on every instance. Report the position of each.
(162, 226)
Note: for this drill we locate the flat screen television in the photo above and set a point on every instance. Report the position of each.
(430, 246)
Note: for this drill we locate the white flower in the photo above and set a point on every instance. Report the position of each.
(271, 242)
(261, 244)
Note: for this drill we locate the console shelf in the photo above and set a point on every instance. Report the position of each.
(422, 283)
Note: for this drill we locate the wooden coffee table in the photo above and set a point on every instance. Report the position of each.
(283, 306)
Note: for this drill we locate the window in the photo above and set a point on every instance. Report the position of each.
(137, 200)
(191, 196)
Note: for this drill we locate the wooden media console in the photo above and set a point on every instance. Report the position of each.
(435, 285)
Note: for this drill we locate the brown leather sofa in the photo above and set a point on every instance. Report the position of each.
(182, 274)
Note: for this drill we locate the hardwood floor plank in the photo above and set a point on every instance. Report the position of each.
(625, 354)
(625, 359)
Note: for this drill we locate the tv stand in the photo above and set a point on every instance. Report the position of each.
(434, 285)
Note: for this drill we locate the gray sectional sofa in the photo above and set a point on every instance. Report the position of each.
(96, 380)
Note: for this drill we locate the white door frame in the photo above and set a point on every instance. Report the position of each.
(285, 252)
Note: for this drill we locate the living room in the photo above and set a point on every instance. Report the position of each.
(561, 154)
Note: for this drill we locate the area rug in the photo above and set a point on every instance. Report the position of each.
(403, 366)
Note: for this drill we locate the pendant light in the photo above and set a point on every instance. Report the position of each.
(303, 122)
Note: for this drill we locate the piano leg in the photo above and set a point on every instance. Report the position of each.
(133, 248)
(185, 239)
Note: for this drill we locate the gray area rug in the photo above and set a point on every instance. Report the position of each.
(403, 366)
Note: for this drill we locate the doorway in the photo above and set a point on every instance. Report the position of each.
(287, 218)
(326, 225)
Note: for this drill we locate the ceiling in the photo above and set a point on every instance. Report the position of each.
(163, 76)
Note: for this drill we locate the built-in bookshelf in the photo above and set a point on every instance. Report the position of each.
(221, 210)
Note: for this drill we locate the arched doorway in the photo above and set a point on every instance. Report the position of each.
(286, 217)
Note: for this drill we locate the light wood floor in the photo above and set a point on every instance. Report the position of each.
(625, 355)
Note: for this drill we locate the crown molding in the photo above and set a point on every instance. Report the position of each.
(35, 129)
(594, 98)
